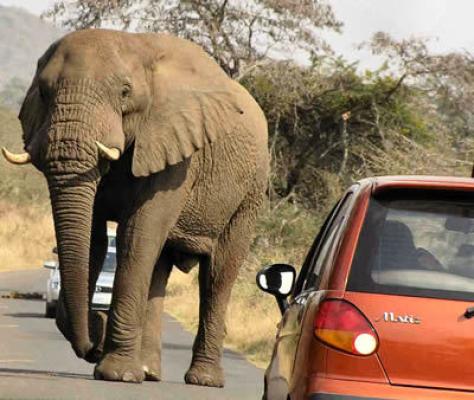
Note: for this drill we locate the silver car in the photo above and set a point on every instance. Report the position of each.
(103, 290)
(52, 288)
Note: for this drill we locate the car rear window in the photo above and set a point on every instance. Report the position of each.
(417, 243)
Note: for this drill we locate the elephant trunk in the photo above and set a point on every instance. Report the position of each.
(72, 212)
(72, 171)
(80, 120)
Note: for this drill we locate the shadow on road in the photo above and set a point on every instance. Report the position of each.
(26, 315)
(6, 293)
(16, 371)
(188, 347)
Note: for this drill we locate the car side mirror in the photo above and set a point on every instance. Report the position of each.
(50, 264)
(278, 280)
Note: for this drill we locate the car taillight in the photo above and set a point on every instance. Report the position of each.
(341, 325)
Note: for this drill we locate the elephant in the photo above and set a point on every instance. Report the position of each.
(146, 130)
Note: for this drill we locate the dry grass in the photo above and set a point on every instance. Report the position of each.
(26, 236)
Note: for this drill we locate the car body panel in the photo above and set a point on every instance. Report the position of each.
(338, 389)
(342, 262)
(102, 296)
(295, 330)
(53, 283)
(438, 335)
(302, 367)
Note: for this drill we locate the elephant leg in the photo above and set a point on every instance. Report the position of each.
(140, 240)
(151, 336)
(217, 274)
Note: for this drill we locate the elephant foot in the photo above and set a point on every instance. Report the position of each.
(205, 374)
(113, 368)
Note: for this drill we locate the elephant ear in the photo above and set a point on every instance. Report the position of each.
(31, 113)
(33, 110)
(193, 105)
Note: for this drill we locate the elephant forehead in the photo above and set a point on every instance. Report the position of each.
(103, 42)
(88, 53)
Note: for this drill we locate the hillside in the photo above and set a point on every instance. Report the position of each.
(23, 39)
(18, 184)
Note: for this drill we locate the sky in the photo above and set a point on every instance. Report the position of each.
(450, 21)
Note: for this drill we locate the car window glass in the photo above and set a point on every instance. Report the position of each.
(417, 243)
(328, 245)
(314, 248)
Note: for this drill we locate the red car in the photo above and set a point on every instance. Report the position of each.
(383, 307)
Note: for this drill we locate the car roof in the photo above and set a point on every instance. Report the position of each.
(379, 183)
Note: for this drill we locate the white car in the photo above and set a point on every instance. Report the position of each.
(103, 290)
(52, 288)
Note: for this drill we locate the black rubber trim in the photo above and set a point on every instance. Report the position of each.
(328, 396)
(99, 307)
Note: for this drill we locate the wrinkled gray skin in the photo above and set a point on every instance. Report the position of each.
(185, 190)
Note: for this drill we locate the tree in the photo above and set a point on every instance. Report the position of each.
(329, 124)
(236, 33)
(447, 80)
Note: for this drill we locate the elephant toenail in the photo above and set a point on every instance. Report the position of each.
(128, 377)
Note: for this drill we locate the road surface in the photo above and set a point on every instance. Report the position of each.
(37, 363)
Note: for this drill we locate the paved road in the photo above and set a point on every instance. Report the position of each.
(37, 363)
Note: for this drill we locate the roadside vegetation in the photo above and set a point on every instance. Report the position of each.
(26, 227)
(330, 123)
(26, 234)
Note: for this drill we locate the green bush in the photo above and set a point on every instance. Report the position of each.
(330, 124)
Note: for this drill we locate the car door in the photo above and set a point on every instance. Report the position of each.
(278, 381)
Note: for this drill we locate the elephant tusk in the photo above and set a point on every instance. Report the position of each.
(18, 159)
(111, 154)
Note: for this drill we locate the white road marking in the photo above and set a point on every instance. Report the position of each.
(8, 326)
